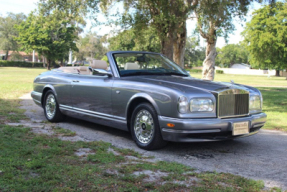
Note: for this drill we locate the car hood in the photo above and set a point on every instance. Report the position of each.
(184, 84)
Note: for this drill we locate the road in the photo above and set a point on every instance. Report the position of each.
(261, 157)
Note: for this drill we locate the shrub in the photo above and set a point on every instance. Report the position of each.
(195, 70)
(219, 71)
(5, 63)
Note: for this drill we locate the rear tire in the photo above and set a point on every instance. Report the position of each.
(51, 107)
(145, 128)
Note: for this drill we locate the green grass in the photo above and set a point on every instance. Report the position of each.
(249, 79)
(275, 106)
(63, 132)
(15, 82)
(30, 162)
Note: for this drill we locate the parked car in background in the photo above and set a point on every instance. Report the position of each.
(151, 97)
(241, 66)
(80, 63)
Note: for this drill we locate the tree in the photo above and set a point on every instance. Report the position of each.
(166, 17)
(8, 32)
(231, 54)
(214, 18)
(266, 37)
(194, 55)
(51, 36)
(73, 11)
(53, 29)
(91, 46)
(145, 40)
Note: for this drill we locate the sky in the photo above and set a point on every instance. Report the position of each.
(26, 6)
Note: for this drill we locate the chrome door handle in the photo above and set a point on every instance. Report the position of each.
(76, 81)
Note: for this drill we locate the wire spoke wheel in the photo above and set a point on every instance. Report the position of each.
(50, 106)
(144, 126)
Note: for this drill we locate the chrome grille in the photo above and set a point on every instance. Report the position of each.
(233, 104)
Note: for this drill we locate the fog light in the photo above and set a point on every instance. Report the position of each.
(170, 125)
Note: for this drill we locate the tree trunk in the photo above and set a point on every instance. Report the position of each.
(179, 46)
(61, 63)
(7, 53)
(209, 62)
(167, 46)
(49, 64)
(277, 73)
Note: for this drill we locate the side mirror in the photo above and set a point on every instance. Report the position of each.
(102, 72)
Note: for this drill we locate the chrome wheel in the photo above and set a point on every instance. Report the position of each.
(144, 126)
(50, 106)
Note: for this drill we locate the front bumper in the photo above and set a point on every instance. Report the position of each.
(212, 129)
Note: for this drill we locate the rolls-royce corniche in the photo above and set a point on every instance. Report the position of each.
(151, 97)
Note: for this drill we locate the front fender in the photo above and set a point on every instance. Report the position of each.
(142, 96)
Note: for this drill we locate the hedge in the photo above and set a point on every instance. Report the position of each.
(5, 63)
(219, 71)
(195, 70)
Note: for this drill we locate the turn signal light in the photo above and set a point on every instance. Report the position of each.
(170, 125)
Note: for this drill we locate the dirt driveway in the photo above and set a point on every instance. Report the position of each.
(262, 156)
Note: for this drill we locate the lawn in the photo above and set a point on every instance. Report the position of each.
(275, 106)
(249, 79)
(14, 83)
(30, 162)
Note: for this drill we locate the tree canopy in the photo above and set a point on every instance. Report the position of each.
(166, 18)
(8, 32)
(133, 40)
(91, 46)
(50, 36)
(52, 29)
(266, 36)
(231, 54)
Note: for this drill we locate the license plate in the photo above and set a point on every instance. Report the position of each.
(240, 128)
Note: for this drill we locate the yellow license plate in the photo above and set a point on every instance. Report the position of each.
(240, 128)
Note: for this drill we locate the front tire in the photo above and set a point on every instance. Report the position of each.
(51, 107)
(145, 128)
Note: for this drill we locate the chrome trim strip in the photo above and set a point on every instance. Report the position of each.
(93, 115)
(66, 106)
(232, 92)
(191, 131)
(225, 117)
(98, 113)
(92, 112)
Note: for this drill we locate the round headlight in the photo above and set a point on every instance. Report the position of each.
(201, 105)
(182, 105)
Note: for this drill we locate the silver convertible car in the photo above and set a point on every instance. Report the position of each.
(151, 97)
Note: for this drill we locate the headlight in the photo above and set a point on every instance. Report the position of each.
(255, 103)
(201, 105)
(182, 105)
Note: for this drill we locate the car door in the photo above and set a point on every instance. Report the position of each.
(91, 95)
(62, 84)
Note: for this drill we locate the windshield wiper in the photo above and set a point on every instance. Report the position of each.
(175, 73)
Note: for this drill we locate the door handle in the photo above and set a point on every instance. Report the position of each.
(76, 81)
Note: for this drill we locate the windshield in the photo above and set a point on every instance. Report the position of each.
(130, 64)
